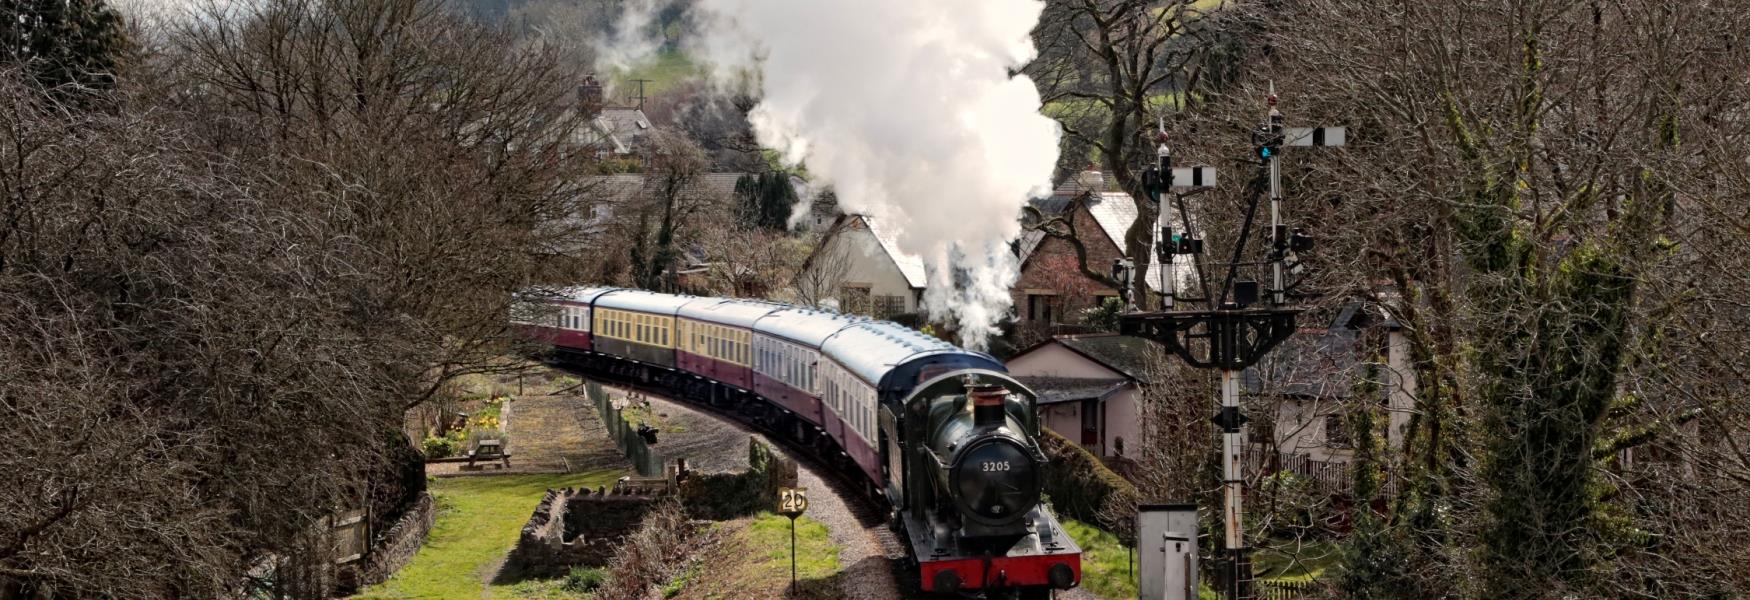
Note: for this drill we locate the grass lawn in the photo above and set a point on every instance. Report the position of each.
(479, 519)
(753, 561)
(1106, 571)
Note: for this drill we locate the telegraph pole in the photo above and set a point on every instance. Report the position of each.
(1235, 330)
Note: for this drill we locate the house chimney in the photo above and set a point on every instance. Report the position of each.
(589, 97)
(1092, 180)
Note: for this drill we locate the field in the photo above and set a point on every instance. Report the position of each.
(669, 69)
(478, 522)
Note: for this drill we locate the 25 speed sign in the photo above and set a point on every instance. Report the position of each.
(792, 501)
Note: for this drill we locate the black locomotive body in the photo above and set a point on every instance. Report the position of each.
(971, 471)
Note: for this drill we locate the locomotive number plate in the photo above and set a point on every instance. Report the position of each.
(994, 465)
(792, 501)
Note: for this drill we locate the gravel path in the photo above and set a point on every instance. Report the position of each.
(868, 551)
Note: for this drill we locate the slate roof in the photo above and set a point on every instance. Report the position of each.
(910, 266)
(1125, 354)
(1030, 238)
(1316, 363)
(1312, 364)
(618, 129)
(1052, 390)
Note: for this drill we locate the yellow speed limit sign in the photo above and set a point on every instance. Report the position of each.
(792, 502)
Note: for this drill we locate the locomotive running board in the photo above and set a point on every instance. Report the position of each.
(1028, 558)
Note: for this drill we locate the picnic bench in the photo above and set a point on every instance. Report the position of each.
(489, 450)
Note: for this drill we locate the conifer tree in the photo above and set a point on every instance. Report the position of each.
(70, 47)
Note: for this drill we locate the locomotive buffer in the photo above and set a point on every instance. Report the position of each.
(1234, 331)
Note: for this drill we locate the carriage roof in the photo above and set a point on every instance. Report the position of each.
(871, 349)
(805, 326)
(732, 312)
(643, 301)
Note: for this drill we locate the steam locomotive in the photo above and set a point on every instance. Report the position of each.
(942, 435)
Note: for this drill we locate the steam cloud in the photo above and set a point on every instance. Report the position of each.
(910, 109)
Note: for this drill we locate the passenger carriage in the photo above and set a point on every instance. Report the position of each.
(637, 324)
(562, 319)
(715, 338)
(787, 358)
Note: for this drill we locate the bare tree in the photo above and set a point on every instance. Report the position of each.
(1107, 71)
(665, 210)
(817, 281)
(1542, 181)
(299, 220)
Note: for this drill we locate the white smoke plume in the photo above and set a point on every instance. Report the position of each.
(913, 111)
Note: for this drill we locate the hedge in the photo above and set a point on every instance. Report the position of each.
(1081, 487)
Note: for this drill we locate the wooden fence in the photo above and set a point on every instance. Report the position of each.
(1329, 477)
(1265, 589)
(350, 535)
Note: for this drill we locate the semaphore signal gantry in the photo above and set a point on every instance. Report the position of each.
(1232, 329)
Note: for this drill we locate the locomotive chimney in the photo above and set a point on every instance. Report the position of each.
(987, 404)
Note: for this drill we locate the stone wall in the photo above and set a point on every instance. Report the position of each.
(723, 496)
(582, 527)
(577, 528)
(394, 548)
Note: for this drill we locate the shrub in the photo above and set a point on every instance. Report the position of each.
(649, 556)
(585, 579)
(437, 447)
(1081, 487)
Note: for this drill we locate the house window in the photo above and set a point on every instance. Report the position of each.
(855, 299)
(887, 306)
(1039, 308)
(1336, 432)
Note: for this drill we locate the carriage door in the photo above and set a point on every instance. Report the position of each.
(892, 457)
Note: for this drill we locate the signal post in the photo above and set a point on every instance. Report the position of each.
(1233, 330)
